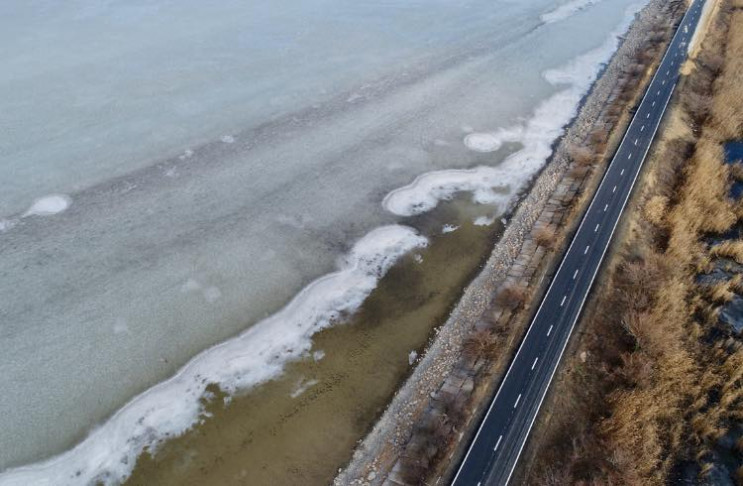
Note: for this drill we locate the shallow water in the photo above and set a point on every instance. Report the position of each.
(734, 151)
(173, 174)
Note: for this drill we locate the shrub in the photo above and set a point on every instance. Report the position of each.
(511, 296)
(546, 237)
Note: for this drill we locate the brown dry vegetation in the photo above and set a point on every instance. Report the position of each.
(658, 391)
(546, 237)
(511, 296)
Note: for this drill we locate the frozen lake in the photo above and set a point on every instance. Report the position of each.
(173, 173)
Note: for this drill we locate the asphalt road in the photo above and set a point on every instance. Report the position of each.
(500, 438)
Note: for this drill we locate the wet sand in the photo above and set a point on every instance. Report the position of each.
(277, 434)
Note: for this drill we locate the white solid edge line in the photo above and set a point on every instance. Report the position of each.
(605, 249)
(528, 331)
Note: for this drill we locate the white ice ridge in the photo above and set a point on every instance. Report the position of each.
(48, 205)
(497, 185)
(172, 407)
(566, 10)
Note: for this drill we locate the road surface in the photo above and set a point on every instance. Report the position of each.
(500, 438)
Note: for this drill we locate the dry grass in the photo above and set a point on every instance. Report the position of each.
(657, 390)
(546, 237)
(729, 249)
(582, 156)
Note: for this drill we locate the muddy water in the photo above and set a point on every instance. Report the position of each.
(301, 428)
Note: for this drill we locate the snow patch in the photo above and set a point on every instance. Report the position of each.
(448, 228)
(49, 205)
(187, 154)
(227, 139)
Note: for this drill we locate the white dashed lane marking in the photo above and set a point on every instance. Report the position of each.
(575, 274)
(549, 330)
(586, 250)
(496, 445)
(563, 300)
(596, 228)
(622, 172)
(606, 207)
(518, 398)
(535, 363)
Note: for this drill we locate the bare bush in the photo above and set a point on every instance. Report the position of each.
(582, 156)
(479, 344)
(698, 106)
(511, 296)
(546, 237)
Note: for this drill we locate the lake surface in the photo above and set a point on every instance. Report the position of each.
(176, 175)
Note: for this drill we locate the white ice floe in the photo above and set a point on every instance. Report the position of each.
(498, 185)
(566, 10)
(49, 205)
(484, 220)
(448, 228)
(172, 407)
(490, 142)
(302, 386)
